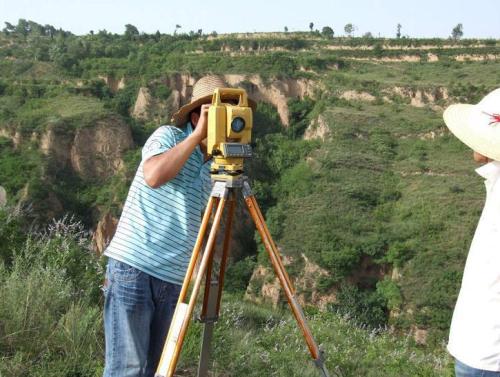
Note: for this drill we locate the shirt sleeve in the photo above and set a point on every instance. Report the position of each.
(160, 141)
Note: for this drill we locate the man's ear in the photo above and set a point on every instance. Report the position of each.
(194, 118)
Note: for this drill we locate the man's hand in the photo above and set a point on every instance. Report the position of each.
(201, 127)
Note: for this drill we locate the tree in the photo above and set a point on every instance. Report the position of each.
(50, 31)
(368, 35)
(349, 29)
(286, 29)
(131, 31)
(200, 32)
(457, 32)
(398, 32)
(36, 28)
(9, 28)
(327, 32)
(177, 26)
(311, 26)
(22, 27)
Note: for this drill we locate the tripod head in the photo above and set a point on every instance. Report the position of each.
(230, 122)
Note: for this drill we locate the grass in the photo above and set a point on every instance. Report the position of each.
(40, 112)
(46, 295)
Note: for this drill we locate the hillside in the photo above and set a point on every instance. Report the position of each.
(371, 201)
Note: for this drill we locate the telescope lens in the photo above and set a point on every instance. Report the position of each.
(238, 124)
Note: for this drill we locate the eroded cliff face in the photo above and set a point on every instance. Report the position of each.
(98, 151)
(104, 232)
(92, 152)
(276, 92)
(264, 286)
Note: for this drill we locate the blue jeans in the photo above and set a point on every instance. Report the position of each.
(138, 309)
(462, 370)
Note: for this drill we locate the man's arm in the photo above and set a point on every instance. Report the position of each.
(161, 168)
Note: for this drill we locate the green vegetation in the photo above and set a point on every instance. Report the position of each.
(383, 199)
(50, 292)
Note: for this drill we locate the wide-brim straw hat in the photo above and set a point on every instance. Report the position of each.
(203, 91)
(477, 126)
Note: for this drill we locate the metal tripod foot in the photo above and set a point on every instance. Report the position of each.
(320, 364)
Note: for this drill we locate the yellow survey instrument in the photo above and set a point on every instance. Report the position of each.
(230, 122)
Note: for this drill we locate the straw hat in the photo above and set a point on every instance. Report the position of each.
(477, 126)
(203, 91)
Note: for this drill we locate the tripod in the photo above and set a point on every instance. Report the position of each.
(224, 191)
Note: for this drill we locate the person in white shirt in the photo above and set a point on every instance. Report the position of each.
(474, 339)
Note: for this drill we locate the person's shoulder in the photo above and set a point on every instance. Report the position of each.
(167, 132)
(168, 129)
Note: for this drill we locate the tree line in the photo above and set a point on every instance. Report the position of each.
(27, 27)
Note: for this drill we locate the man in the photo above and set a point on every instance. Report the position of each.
(475, 328)
(150, 251)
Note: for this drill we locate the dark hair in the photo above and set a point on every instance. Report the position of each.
(194, 111)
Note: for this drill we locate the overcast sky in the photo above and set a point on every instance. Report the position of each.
(419, 18)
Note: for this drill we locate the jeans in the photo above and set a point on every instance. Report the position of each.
(138, 309)
(462, 370)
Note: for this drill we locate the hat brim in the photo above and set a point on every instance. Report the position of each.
(180, 117)
(462, 121)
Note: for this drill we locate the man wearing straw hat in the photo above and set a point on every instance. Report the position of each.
(150, 251)
(475, 329)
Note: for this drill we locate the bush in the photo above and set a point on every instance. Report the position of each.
(49, 293)
(238, 275)
(362, 306)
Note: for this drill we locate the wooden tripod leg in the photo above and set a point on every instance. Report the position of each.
(213, 293)
(196, 249)
(168, 361)
(286, 285)
(274, 248)
(225, 247)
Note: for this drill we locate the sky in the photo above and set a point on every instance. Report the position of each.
(419, 18)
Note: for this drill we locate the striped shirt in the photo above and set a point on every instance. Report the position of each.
(158, 226)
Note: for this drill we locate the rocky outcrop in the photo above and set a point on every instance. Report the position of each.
(97, 152)
(92, 152)
(476, 58)
(415, 97)
(57, 143)
(317, 129)
(13, 135)
(113, 83)
(264, 286)
(420, 97)
(351, 95)
(142, 104)
(146, 107)
(105, 230)
(276, 92)
(182, 88)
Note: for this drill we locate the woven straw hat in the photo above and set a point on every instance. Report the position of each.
(203, 91)
(477, 126)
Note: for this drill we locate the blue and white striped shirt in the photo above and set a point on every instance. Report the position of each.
(158, 227)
